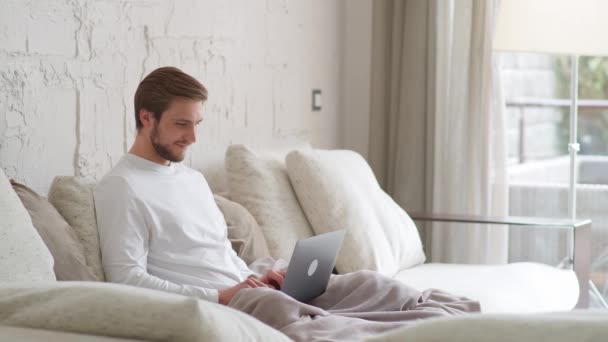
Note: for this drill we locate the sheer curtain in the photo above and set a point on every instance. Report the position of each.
(436, 134)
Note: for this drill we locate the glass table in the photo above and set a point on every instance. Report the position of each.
(579, 254)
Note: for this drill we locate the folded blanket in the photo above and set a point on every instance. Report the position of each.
(355, 306)
(127, 312)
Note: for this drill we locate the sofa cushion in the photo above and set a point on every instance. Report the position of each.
(58, 236)
(23, 255)
(126, 312)
(522, 287)
(40, 335)
(259, 182)
(244, 232)
(578, 325)
(337, 189)
(73, 198)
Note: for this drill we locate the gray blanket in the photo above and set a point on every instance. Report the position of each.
(355, 306)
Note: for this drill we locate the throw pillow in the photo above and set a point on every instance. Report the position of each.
(73, 199)
(244, 232)
(58, 236)
(23, 255)
(259, 182)
(337, 189)
(121, 311)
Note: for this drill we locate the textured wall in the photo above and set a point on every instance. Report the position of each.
(68, 71)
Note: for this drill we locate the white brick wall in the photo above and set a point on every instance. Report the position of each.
(68, 71)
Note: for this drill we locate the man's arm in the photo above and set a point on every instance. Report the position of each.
(123, 238)
(239, 263)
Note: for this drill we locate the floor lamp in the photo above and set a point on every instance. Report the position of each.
(567, 27)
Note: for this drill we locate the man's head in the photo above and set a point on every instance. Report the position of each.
(168, 106)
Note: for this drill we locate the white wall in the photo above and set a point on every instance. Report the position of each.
(68, 71)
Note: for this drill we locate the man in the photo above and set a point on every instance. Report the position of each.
(160, 228)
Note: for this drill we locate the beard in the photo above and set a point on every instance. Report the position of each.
(163, 150)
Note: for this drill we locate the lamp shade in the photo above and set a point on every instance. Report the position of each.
(575, 27)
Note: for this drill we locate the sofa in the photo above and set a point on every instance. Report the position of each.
(270, 199)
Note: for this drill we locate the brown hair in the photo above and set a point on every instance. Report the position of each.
(162, 85)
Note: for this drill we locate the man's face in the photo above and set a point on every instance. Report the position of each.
(176, 129)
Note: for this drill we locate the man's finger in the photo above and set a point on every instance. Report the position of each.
(257, 283)
(280, 278)
(275, 279)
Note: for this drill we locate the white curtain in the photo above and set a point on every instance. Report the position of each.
(469, 164)
(436, 129)
(401, 51)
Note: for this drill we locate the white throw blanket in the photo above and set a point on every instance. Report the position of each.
(356, 306)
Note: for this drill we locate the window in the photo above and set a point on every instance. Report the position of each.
(537, 92)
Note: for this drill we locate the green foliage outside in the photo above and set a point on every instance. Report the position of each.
(592, 85)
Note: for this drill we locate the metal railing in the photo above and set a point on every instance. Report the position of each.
(530, 102)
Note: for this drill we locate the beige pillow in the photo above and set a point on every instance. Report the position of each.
(58, 236)
(73, 198)
(123, 311)
(23, 255)
(259, 182)
(337, 189)
(244, 233)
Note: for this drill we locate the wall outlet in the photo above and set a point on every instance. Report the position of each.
(317, 102)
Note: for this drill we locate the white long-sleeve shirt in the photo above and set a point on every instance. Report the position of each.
(159, 228)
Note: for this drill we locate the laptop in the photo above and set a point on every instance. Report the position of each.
(311, 264)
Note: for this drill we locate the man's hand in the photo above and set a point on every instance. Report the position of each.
(225, 295)
(274, 279)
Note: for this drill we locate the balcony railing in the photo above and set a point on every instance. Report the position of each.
(526, 102)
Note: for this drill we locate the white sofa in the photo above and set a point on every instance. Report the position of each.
(261, 179)
(38, 303)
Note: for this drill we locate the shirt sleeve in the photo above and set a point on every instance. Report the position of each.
(240, 264)
(123, 239)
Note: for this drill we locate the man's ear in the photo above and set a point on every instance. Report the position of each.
(147, 118)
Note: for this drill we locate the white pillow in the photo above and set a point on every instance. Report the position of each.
(337, 189)
(259, 182)
(23, 254)
(73, 199)
(123, 311)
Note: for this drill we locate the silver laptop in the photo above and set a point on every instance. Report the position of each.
(311, 264)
